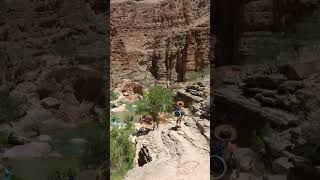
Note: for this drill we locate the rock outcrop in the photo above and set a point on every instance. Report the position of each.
(172, 153)
(159, 45)
(249, 31)
(274, 114)
(56, 62)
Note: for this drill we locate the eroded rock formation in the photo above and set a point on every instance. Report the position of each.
(159, 40)
(244, 28)
(53, 53)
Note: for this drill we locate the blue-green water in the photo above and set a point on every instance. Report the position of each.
(61, 138)
(40, 169)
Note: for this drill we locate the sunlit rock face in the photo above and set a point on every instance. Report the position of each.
(159, 40)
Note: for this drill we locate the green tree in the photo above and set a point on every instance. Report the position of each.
(158, 99)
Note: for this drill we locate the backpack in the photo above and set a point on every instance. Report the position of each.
(178, 112)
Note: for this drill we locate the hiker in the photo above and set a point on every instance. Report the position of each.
(8, 173)
(225, 147)
(179, 112)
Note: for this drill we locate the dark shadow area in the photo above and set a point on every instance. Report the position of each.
(264, 83)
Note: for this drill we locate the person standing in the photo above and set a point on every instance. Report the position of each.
(8, 173)
(225, 147)
(180, 112)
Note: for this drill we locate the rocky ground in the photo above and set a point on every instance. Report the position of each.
(169, 152)
(173, 153)
(275, 112)
(45, 59)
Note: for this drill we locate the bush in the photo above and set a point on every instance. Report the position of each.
(122, 152)
(158, 99)
(129, 120)
(195, 75)
(113, 95)
(10, 106)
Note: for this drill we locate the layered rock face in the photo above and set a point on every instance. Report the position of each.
(251, 29)
(275, 113)
(63, 29)
(50, 53)
(159, 40)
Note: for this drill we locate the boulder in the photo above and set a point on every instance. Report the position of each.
(231, 96)
(37, 114)
(281, 165)
(31, 150)
(44, 138)
(50, 103)
(248, 158)
(77, 141)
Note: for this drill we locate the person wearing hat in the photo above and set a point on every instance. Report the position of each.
(225, 147)
(179, 113)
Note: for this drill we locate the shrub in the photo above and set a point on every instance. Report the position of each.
(122, 152)
(194, 75)
(113, 95)
(158, 99)
(10, 106)
(129, 120)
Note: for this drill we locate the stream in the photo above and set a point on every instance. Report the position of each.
(41, 168)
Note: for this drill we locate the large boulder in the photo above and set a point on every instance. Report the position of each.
(50, 103)
(31, 150)
(281, 165)
(37, 114)
(44, 138)
(248, 159)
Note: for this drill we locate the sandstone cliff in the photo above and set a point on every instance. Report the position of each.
(159, 40)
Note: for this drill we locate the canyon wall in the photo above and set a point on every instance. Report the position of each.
(54, 49)
(159, 40)
(253, 29)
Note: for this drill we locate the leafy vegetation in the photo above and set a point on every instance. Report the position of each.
(195, 75)
(158, 99)
(113, 95)
(122, 151)
(10, 106)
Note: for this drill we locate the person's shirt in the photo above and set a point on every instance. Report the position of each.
(7, 174)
